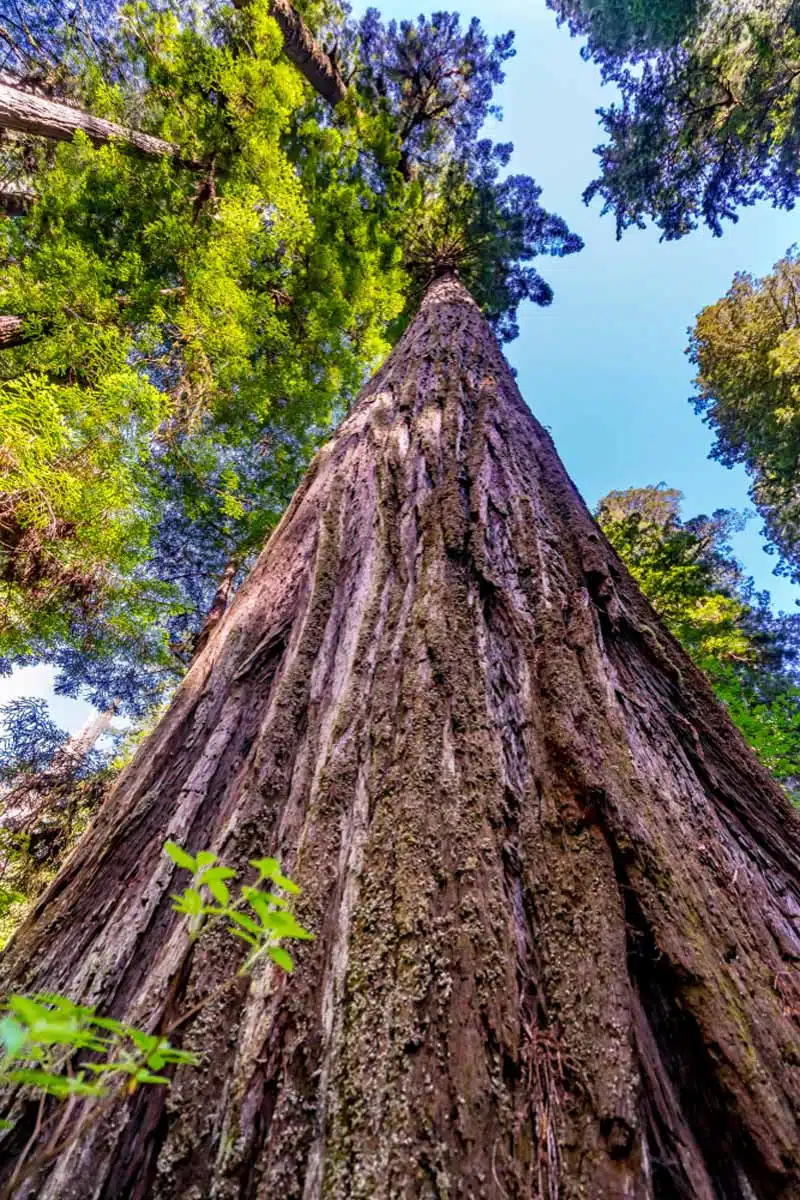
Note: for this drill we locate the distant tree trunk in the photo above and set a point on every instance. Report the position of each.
(307, 55)
(555, 898)
(219, 605)
(27, 112)
(12, 332)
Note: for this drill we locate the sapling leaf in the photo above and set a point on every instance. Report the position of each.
(204, 858)
(189, 901)
(270, 868)
(215, 873)
(218, 890)
(179, 856)
(281, 958)
(246, 937)
(245, 922)
(54, 1085)
(146, 1042)
(144, 1076)
(13, 1035)
(283, 924)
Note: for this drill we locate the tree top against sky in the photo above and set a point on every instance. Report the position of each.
(708, 116)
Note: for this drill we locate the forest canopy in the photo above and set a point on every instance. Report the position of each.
(708, 115)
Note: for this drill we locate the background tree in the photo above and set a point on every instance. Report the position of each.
(687, 571)
(709, 115)
(51, 785)
(746, 348)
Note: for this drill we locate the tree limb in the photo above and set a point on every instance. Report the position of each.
(306, 54)
(27, 112)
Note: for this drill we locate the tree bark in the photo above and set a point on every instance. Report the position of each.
(555, 898)
(12, 332)
(219, 605)
(26, 112)
(300, 48)
(306, 54)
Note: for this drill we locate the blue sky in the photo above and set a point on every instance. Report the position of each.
(604, 366)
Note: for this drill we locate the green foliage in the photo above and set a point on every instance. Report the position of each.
(177, 315)
(42, 1034)
(708, 120)
(258, 918)
(232, 301)
(746, 348)
(626, 27)
(43, 817)
(687, 571)
(53, 1048)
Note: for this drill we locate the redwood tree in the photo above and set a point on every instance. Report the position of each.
(556, 900)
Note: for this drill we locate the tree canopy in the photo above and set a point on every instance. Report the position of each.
(193, 326)
(708, 118)
(688, 572)
(746, 348)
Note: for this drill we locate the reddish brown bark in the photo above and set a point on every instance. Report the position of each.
(555, 897)
(219, 605)
(307, 55)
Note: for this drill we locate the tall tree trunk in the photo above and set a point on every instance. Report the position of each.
(27, 112)
(555, 898)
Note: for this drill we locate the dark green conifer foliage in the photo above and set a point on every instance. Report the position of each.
(708, 116)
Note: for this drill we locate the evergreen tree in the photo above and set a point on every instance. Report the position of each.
(246, 297)
(746, 348)
(708, 116)
(687, 571)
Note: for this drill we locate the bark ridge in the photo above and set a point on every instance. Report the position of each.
(556, 901)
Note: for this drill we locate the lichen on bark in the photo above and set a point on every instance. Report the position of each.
(555, 898)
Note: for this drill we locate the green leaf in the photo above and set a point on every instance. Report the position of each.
(144, 1076)
(245, 922)
(189, 902)
(281, 957)
(246, 937)
(259, 903)
(218, 890)
(13, 1036)
(204, 859)
(146, 1042)
(270, 868)
(179, 856)
(54, 1085)
(283, 924)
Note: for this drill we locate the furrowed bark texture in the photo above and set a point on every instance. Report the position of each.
(310, 59)
(302, 49)
(555, 898)
(27, 112)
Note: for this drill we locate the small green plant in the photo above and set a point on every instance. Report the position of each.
(207, 900)
(55, 1049)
